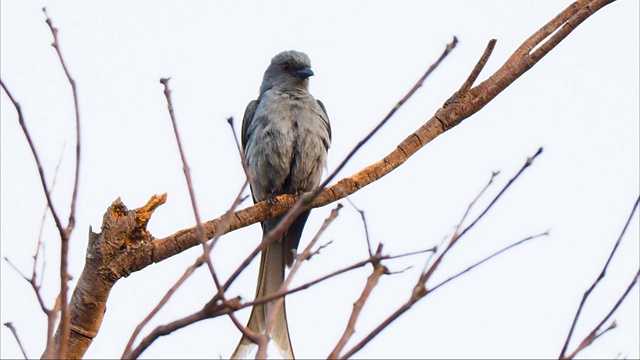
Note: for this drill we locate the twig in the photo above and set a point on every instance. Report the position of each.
(128, 352)
(204, 313)
(364, 223)
(36, 157)
(593, 335)
(185, 166)
(473, 76)
(546, 233)
(50, 313)
(64, 327)
(372, 281)
(473, 202)
(593, 286)
(42, 222)
(504, 189)
(243, 158)
(15, 335)
(187, 175)
(74, 196)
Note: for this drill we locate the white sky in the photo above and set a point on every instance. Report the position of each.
(580, 103)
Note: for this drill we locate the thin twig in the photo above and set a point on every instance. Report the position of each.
(64, 327)
(127, 351)
(185, 166)
(593, 335)
(16, 269)
(372, 281)
(596, 282)
(546, 233)
(42, 222)
(50, 313)
(473, 202)
(477, 69)
(243, 158)
(15, 335)
(36, 157)
(187, 175)
(504, 189)
(364, 223)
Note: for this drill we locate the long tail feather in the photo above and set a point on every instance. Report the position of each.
(270, 280)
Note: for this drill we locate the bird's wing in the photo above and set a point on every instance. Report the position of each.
(246, 121)
(326, 121)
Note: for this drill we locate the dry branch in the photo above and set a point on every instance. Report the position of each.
(593, 335)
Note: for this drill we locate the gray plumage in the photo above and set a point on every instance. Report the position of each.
(285, 136)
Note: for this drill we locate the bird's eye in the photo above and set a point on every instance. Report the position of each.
(286, 66)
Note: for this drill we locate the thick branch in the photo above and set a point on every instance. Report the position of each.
(123, 231)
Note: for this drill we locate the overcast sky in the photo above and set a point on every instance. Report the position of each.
(580, 103)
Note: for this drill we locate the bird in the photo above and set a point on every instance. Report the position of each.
(286, 136)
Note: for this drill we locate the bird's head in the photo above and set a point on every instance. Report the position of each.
(288, 70)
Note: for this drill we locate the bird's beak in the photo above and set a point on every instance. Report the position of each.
(304, 73)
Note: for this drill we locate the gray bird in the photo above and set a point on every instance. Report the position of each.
(285, 136)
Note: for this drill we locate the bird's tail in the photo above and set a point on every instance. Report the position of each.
(270, 280)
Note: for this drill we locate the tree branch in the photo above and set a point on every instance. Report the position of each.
(592, 335)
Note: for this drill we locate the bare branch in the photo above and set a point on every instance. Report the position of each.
(504, 189)
(471, 79)
(593, 286)
(76, 178)
(64, 326)
(36, 157)
(546, 233)
(243, 159)
(364, 223)
(15, 335)
(187, 175)
(372, 281)
(593, 335)
(473, 202)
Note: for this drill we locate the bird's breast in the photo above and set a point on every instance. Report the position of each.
(287, 150)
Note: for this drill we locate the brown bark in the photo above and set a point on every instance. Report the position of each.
(112, 254)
